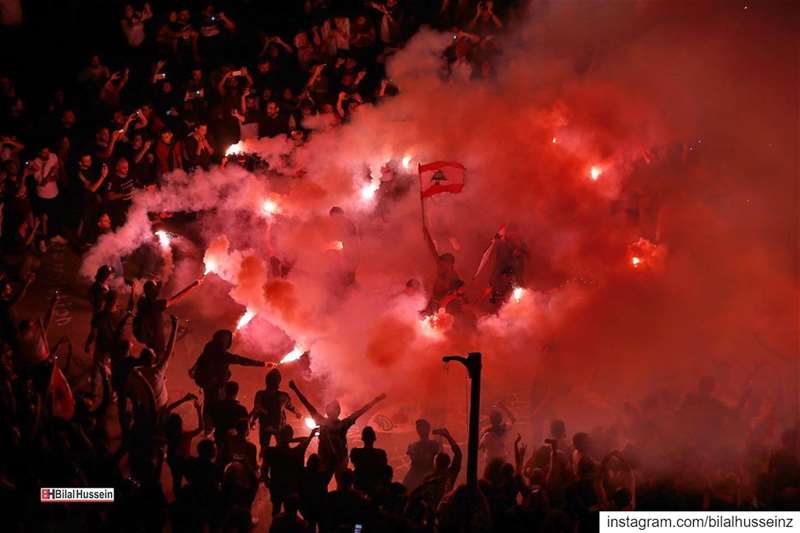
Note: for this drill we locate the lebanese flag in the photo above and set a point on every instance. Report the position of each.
(62, 403)
(441, 176)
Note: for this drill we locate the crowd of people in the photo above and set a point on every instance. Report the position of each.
(183, 84)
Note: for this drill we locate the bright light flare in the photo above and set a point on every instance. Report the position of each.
(406, 161)
(163, 239)
(554, 141)
(234, 149)
(269, 207)
(310, 424)
(210, 266)
(245, 319)
(336, 245)
(517, 294)
(368, 191)
(595, 172)
(430, 325)
(636, 261)
(294, 355)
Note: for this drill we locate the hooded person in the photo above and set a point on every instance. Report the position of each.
(212, 369)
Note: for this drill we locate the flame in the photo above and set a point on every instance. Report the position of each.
(163, 238)
(210, 264)
(310, 424)
(235, 149)
(294, 355)
(430, 325)
(269, 207)
(518, 293)
(635, 261)
(245, 319)
(595, 172)
(368, 191)
(406, 162)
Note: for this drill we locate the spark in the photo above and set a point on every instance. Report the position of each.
(406, 162)
(269, 207)
(430, 325)
(595, 172)
(294, 355)
(310, 424)
(245, 319)
(517, 294)
(234, 149)
(163, 238)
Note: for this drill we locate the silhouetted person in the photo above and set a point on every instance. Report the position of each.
(369, 463)
(333, 431)
(211, 371)
(343, 507)
(288, 521)
(269, 408)
(227, 412)
(421, 454)
(283, 466)
(445, 472)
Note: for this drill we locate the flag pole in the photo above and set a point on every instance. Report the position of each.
(425, 231)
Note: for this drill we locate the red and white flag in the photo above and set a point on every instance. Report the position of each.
(62, 403)
(441, 176)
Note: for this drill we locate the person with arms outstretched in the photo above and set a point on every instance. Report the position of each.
(333, 432)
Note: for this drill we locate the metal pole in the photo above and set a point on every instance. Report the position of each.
(473, 366)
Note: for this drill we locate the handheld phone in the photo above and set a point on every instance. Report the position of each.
(161, 76)
(357, 528)
(236, 73)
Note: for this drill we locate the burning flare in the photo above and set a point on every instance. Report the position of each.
(163, 238)
(368, 191)
(518, 293)
(211, 266)
(235, 149)
(269, 207)
(635, 261)
(245, 319)
(595, 172)
(406, 162)
(294, 355)
(310, 424)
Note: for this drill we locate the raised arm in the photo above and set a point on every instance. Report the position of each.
(181, 294)
(310, 408)
(50, 310)
(455, 464)
(358, 412)
(173, 334)
(304, 443)
(174, 405)
(234, 359)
